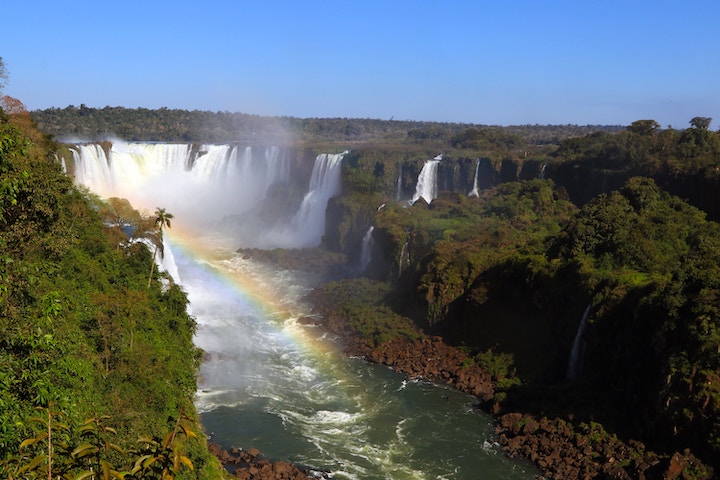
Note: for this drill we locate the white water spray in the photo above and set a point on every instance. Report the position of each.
(426, 187)
(212, 186)
(404, 260)
(366, 250)
(474, 192)
(308, 225)
(398, 194)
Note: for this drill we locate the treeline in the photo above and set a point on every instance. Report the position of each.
(172, 125)
(646, 149)
(683, 162)
(91, 357)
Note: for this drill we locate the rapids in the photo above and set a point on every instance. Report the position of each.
(268, 380)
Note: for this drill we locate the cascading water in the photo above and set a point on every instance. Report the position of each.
(221, 180)
(366, 249)
(426, 187)
(271, 382)
(474, 192)
(404, 259)
(308, 225)
(398, 194)
(574, 362)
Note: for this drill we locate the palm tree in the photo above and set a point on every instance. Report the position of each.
(162, 220)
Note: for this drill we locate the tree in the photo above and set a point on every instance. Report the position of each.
(3, 74)
(162, 220)
(701, 123)
(643, 127)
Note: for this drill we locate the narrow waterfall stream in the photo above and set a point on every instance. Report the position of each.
(475, 192)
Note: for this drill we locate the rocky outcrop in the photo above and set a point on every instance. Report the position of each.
(430, 358)
(563, 450)
(251, 465)
(424, 356)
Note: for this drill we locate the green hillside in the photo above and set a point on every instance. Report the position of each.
(91, 358)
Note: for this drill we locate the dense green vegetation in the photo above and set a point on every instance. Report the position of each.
(362, 302)
(91, 357)
(683, 162)
(648, 263)
(512, 271)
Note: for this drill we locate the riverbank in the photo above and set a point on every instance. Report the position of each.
(561, 448)
(250, 464)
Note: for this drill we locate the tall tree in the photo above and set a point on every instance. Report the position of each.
(701, 123)
(162, 220)
(3, 74)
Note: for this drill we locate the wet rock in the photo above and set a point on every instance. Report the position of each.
(252, 465)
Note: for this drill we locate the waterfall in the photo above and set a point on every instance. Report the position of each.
(574, 363)
(427, 182)
(278, 167)
(167, 262)
(215, 185)
(234, 177)
(404, 260)
(474, 192)
(542, 171)
(308, 225)
(398, 195)
(92, 169)
(366, 250)
(63, 165)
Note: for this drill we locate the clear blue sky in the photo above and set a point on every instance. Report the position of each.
(487, 62)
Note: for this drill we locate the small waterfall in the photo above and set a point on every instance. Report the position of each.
(308, 225)
(542, 171)
(474, 192)
(167, 262)
(427, 181)
(404, 260)
(574, 362)
(366, 251)
(63, 165)
(398, 195)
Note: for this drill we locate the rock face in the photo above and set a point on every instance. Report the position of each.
(426, 356)
(251, 465)
(430, 358)
(566, 451)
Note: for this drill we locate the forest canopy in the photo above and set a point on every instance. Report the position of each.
(85, 123)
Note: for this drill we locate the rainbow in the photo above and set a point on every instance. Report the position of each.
(254, 292)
